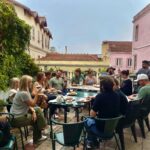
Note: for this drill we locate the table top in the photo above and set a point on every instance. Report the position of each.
(76, 99)
(85, 87)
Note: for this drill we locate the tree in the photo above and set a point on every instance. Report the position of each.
(14, 40)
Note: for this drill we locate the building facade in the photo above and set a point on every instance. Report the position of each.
(118, 54)
(40, 34)
(141, 37)
(70, 62)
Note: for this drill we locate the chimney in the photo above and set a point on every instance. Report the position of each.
(66, 49)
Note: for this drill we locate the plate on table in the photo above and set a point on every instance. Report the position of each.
(72, 94)
(96, 85)
(52, 101)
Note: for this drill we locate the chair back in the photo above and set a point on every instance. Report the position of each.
(109, 124)
(132, 113)
(72, 133)
(1, 136)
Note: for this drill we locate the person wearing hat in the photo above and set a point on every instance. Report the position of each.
(111, 71)
(145, 68)
(144, 92)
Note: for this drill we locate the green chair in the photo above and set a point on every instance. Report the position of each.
(109, 126)
(12, 143)
(69, 136)
(10, 117)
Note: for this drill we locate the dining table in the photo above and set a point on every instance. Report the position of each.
(78, 100)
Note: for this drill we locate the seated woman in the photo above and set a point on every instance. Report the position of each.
(126, 86)
(24, 111)
(14, 87)
(41, 83)
(90, 78)
(106, 105)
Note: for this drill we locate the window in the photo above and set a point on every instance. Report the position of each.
(136, 32)
(119, 62)
(135, 61)
(38, 36)
(129, 62)
(42, 41)
(33, 33)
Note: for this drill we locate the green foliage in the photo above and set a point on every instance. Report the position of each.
(14, 40)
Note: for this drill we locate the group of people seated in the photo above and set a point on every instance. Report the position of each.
(28, 99)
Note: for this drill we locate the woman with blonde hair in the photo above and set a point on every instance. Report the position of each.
(13, 89)
(24, 111)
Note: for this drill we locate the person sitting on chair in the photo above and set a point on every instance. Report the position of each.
(106, 105)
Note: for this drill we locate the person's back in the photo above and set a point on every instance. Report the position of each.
(107, 105)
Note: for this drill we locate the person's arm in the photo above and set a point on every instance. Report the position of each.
(86, 80)
(32, 102)
(95, 80)
(3, 118)
(34, 117)
(50, 83)
(92, 113)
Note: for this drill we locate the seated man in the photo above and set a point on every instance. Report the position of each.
(144, 92)
(57, 82)
(77, 78)
(106, 105)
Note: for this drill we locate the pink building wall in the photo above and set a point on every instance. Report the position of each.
(141, 47)
(124, 64)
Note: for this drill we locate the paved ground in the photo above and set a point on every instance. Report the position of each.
(142, 144)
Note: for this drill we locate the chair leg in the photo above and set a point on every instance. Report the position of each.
(121, 138)
(117, 142)
(22, 138)
(53, 144)
(134, 132)
(16, 145)
(147, 123)
(25, 132)
(141, 124)
(74, 147)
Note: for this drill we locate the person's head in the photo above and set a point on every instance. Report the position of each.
(145, 64)
(142, 79)
(40, 77)
(25, 83)
(90, 72)
(125, 74)
(58, 73)
(116, 84)
(111, 70)
(77, 72)
(48, 75)
(53, 74)
(106, 84)
(14, 83)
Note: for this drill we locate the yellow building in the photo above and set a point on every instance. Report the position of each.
(40, 34)
(105, 53)
(69, 62)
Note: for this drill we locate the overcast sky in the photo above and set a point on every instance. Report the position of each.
(82, 25)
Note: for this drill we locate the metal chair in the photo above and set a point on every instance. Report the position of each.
(70, 134)
(109, 126)
(128, 121)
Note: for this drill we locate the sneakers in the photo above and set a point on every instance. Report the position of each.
(89, 144)
(92, 144)
(42, 138)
